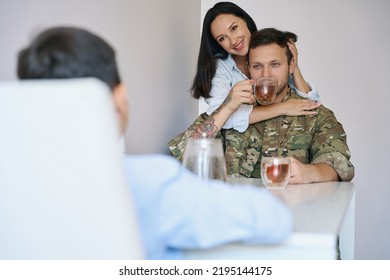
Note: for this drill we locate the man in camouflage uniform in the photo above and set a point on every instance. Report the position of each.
(316, 143)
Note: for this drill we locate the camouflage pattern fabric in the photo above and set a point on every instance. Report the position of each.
(310, 139)
(178, 144)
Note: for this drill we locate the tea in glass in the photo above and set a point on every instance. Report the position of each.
(275, 171)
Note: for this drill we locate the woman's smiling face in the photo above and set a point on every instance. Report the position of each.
(231, 33)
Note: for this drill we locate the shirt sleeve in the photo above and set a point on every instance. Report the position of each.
(178, 210)
(221, 86)
(312, 94)
(330, 145)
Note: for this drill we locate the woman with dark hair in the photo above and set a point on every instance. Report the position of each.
(222, 74)
(211, 50)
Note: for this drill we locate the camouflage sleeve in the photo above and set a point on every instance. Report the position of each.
(177, 144)
(330, 145)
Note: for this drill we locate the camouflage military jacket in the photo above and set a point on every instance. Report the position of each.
(310, 139)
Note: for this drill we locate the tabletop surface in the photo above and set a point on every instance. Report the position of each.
(317, 207)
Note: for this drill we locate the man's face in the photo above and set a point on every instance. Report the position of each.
(270, 61)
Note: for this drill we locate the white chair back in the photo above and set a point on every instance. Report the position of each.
(63, 193)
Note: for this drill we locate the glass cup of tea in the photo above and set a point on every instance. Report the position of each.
(265, 90)
(205, 157)
(275, 172)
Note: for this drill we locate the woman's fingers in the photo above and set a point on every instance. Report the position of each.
(297, 107)
(243, 91)
(246, 85)
(293, 49)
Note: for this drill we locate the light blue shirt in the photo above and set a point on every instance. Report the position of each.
(226, 76)
(176, 210)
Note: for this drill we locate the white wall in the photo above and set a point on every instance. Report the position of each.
(165, 36)
(343, 50)
(156, 43)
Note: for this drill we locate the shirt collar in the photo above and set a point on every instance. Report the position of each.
(231, 62)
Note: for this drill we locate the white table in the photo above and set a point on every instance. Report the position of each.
(322, 213)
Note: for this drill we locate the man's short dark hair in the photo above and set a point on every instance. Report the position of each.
(67, 52)
(269, 36)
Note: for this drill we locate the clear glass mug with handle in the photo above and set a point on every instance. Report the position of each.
(205, 157)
